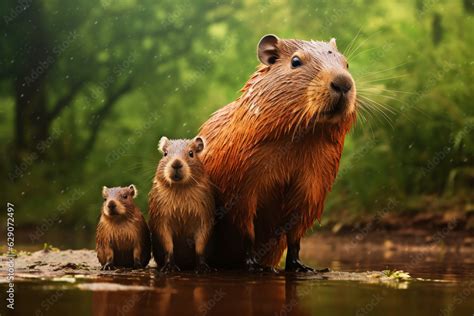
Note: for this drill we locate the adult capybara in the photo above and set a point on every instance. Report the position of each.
(274, 152)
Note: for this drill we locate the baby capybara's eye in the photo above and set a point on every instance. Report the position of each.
(165, 153)
(124, 196)
(296, 62)
(191, 154)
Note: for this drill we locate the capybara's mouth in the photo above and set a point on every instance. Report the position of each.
(176, 177)
(112, 212)
(336, 107)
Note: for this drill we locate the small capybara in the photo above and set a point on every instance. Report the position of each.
(122, 238)
(273, 154)
(181, 206)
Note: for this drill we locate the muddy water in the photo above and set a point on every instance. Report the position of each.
(446, 287)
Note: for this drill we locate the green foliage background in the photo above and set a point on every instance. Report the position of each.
(137, 70)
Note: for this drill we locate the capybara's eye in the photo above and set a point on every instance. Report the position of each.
(347, 65)
(191, 154)
(165, 153)
(105, 199)
(296, 62)
(124, 196)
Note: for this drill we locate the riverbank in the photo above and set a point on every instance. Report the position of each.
(67, 265)
(444, 255)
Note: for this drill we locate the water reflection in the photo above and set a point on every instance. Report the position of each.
(214, 295)
(238, 294)
(227, 294)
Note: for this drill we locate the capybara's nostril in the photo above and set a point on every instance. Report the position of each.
(177, 164)
(112, 205)
(341, 83)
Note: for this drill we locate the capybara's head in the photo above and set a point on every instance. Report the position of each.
(310, 80)
(118, 201)
(180, 164)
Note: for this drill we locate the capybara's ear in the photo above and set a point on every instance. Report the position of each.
(163, 144)
(133, 190)
(267, 49)
(199, 144)
(332, 42)
(104, 191)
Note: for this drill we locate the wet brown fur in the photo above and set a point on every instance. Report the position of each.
(181, 214)
(123, 239)
(273, 154)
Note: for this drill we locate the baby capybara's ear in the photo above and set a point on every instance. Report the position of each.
(104, 191)
(332, 42)
(133, 190)
(163, 144)
(198, 144)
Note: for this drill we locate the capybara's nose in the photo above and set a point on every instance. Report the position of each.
(112, 205)
(341, 83)
(177, 164)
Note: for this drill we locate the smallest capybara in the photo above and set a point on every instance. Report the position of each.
(181, 206)
(122, 238)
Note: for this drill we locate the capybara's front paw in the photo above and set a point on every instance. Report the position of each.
(252, 266)
(137, 264)
(259, 268)
(169, 267)
(202, 268)
(108, 266)
(297, 266)
(269, 269)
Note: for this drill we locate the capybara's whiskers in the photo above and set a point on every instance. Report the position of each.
(373, 118)
(368, 89)
(194, 179)
(363, 112)
(213, 184)
(141, 169)
(375, 106)
(351, 54)
(368, 74)
(384, 107)
(351, 43)
(383, 79)
(381, 95)
(369, 110)
(362, 116)
(364, 51)
(134, 167)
